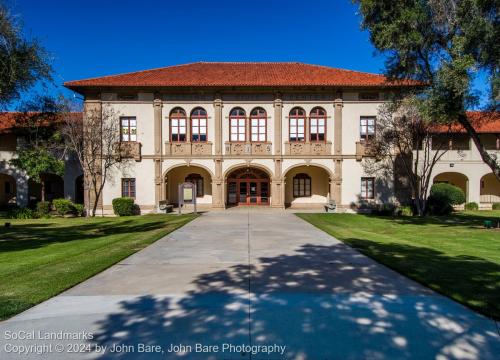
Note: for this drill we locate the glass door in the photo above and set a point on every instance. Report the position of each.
(243, 193)
(264, 192)
(252, 193)
(232, 193)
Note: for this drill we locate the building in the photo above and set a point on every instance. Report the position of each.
(15, 186)
(264, 134)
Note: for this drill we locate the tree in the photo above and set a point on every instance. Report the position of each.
(95, 141)
(444, 44)
(403, 146)
(23, 62)
(42, 150)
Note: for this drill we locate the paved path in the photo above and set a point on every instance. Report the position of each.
(259, 278)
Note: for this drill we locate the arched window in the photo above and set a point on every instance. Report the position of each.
(237, 125)
(317, 123)
(196, 179)
(198, 125)
(301, 185)
(258, 124)
(178, 121)
(297, 126)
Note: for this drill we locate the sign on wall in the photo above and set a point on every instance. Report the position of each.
(187, 195)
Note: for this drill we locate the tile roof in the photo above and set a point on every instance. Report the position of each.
(214, 74)
(10, 121)
(482, 121)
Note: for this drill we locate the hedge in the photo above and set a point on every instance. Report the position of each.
(123, 206)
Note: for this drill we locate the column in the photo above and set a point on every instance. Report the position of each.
(218, 186)
(336, 181)
(158, 105)
(278, 125)
(277, 184)
(218, 124)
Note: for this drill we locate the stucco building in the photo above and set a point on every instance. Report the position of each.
(267, 134)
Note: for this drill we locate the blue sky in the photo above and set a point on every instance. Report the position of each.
(89, 38)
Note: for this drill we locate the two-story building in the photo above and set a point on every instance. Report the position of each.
(267, 134)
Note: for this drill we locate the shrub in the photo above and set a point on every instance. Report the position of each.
(43, 208)
(78, 209)
(406, 211)
(22, 213)
(496, 206)
(123, 206)
(63, 206)
(454, 194)
(471, 206)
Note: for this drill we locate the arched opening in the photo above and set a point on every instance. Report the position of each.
(490, 189)
(8, 190)
(193, 174)
(50, 188)
(248, 186)
(307, 186)
(454, 178)
(79, 190)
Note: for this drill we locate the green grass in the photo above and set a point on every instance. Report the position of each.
(41, 258)
(453, 255)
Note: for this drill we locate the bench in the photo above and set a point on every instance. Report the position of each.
(165, 206)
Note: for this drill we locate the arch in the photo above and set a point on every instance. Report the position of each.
(258, 125)
(51, 187)
(8, 190)
(183, 172)
(324, 167)
(232, 168)
(307, 185)
(247, 185)
(199, 125)
(237, 112)
(188, 165)
(489, 189)
(454, 178)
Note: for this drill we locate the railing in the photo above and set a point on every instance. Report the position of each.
(308, 148)
(128, 150)
(363, 149)
(259, 148)
(185, 148)
(488, 198)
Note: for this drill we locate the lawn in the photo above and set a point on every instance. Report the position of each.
(453, 255)
(41, 258)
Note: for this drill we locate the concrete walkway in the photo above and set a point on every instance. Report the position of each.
(252, 277)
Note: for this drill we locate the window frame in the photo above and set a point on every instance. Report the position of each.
(199, 117)
(237, 118)
(178, 116)
(307, 183)
(367, 135)
(296, 117)
(317, 116)
(129, 128)
(258, 117)
(365, 187)
(194, 178)
(132, 187)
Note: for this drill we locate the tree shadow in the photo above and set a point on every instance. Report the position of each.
(321, 302)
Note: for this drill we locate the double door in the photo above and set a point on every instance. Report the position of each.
(248, 192)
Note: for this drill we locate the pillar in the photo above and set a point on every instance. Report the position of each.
(278, 126)
(158, 105)
(218, 125)
(218, 180)
(336, 181)
(277, 185)
(218, 186)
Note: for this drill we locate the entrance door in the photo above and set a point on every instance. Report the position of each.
(248, 188)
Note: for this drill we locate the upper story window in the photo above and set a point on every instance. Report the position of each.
(297, 121)
(128, 128)
(196, 179)
(178, 121)
(198, 125)
(366, 127)
(237, 119)
(367, 188)
(258, 124)
(317, 121)
(128, 187)
(301, 185)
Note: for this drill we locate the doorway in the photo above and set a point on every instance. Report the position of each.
(248, 187)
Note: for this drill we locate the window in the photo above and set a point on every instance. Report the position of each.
(297, 124)
(196, 179)
(258, 124)
(317, 123)
(367, 127)
(178, 125)
(368, 96)
(301, 185)
(128, 127)
(128, 187)
(237, 125)
(198, 125)
(367, 188)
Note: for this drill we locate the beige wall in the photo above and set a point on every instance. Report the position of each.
(320, 186)
(178, 175)
(490, 189)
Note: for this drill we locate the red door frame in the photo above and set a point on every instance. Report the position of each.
(247, 197)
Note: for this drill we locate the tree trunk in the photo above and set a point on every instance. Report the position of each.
(487, 158)
(42, 195)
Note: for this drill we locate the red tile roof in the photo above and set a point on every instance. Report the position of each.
(10, 121)
(482, 121)
(214, 74)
